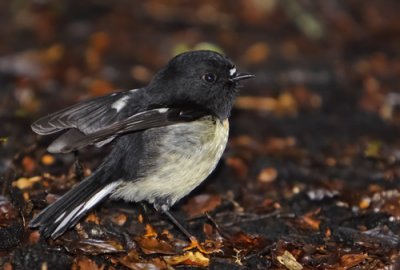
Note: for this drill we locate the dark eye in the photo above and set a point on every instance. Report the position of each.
(210, 77)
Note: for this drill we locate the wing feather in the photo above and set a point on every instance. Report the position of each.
(74, 140)
(87, 116)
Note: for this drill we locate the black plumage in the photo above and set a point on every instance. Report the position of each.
(167, 138)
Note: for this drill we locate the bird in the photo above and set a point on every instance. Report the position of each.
(166, 138)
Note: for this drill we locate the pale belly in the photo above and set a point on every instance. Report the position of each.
(187, 154)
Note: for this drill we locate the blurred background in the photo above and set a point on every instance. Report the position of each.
(321, 114)
(325, 56)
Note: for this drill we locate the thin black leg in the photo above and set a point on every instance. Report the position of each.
(163, 207)
(178, 224)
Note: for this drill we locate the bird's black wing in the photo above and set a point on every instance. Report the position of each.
(88, 116)
(100, 120)
(75, 140)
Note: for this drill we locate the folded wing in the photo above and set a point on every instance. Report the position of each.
(101, 120)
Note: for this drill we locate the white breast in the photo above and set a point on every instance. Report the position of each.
(190, 152)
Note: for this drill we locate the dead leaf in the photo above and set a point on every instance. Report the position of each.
(238, 165)
(189, 258)
(29, 164)
(268, 175)
(245, 242)
(350, 260)
(289, 261)
(8, 213)
(93, 218)
(24, 183)
(120, 219)
(200, 204)
(155, 246)
(92, 246)
(86, 264)
(133, 261)
(48, 159)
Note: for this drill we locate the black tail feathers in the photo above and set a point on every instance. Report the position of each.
(65, 213)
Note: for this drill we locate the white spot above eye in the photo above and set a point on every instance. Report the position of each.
(232, 71)
(120, 103)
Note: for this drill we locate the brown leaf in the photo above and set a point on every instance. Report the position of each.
(152, 245)
(47, 159)
(8, 213)
(24, 183)
(289, 261)
(268, 175)
(200, 204)
(93, 218)
(351, 260)
(120, 219)
(92, 246)
(246, 242)
(133, 261)
(238, 165)
(189, 258)
(86, 264)
(29, 164)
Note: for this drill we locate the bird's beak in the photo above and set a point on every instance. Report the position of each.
(241, 76)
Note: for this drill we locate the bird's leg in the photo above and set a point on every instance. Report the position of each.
(194, 243)
(79, 174)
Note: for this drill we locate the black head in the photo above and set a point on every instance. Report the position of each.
(198, 78)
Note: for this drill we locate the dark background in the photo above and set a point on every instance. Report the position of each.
(312, 166)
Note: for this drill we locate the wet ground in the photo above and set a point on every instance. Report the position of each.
(310, 177)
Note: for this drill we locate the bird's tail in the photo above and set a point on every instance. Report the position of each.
(65, 213)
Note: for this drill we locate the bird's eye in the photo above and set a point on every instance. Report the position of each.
(210, 77)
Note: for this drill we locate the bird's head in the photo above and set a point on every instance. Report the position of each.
(205, 79)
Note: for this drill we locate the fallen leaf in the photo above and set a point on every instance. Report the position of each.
(200, 204)
(120, 219)
(92, 246)
(189, 258)
(289, 261)
(238, 165)
(93, 218)
(133, 261)
(350, 260)
(48, 159)
(29, 164)
(24, 183)
(312, 222)
(268, 175)
(86, 264)
(155, 246)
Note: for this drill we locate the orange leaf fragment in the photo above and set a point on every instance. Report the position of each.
(268, 175)
(48, 159)
(86, 264)
(351, 260)
(24, 183)
(189, 258)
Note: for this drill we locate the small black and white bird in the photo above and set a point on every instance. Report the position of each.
(167, 138)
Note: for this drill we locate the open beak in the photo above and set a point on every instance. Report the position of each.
(241, 76)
